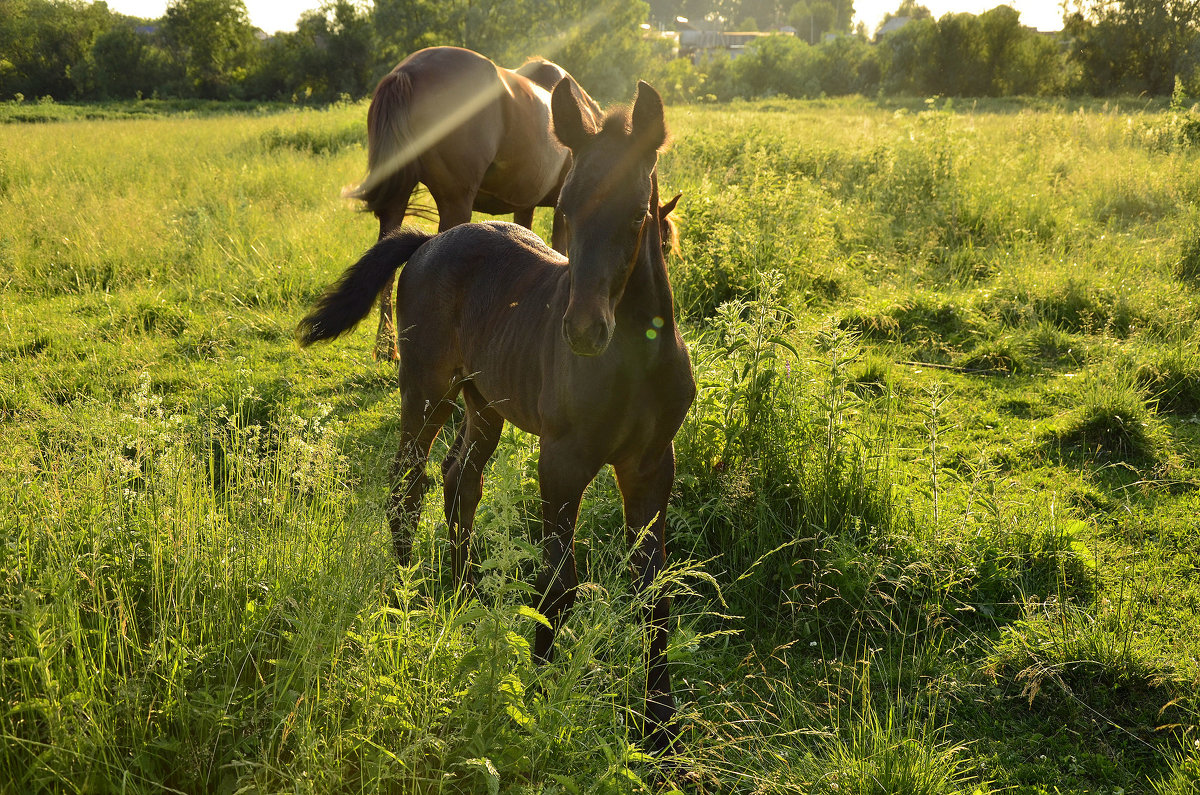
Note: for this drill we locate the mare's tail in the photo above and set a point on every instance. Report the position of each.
(352, 296)
(392, 172)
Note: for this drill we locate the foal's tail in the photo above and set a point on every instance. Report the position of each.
(391, 165)
(352, 296)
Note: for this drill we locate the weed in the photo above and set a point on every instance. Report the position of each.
(1111, 423)
(1002, 356)
(1172, 380)
(1184, 776)
(1187, 266)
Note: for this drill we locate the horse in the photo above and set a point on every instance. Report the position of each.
(475, 134)
(582, 351)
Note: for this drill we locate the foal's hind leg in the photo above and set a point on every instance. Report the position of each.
(462, 472)
(645, 488)
(420, 421)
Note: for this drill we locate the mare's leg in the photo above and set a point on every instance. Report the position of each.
(421, 418)
(558, 233)
(462, 473)
(454, 206)
(645, 487)
(385, 337)
(563, 476)
(524, 217)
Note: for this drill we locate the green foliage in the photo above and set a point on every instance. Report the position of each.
(813, 19)
(884, 756)
(1188, 267)
(315, 141)
(1071, 306)
(1078, 651)
(1003, 356)
(877, 554)
(1184, 778)
(207, 48)
(1177, 129)
(333, 53)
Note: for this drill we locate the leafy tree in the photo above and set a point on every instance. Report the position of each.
(338, 52)
(991, 54)
(812, 19)
(1135, 46)
(778, 65)
(333, 52)
(45, 46)
(957, 56)
(770, 14)
(847, 65)
(1017, 60)
(213, 42)
(599, 43)
(906, 55)
(128, 63)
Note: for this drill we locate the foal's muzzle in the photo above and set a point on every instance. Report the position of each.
(587, 337)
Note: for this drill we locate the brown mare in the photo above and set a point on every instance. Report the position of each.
(583, 352)
(475, 134)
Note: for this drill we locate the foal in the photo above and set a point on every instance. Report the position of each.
(583, 352)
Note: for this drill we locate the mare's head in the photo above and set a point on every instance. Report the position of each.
(546, 74)
(668, 230)
(606, 200)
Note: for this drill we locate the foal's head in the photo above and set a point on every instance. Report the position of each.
(606, 201)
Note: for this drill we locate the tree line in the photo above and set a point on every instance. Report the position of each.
(75, 50)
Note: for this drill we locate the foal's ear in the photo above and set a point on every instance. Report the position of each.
(649, 124)
(570, 126)
(669, 207)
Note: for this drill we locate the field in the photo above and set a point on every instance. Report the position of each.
(935, 527)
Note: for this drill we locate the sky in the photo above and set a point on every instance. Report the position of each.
(276, 15)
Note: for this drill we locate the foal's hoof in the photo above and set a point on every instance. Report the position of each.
(658, 730)
(661, 741)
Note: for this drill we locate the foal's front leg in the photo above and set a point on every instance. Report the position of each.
(562, 475)
(645, 488)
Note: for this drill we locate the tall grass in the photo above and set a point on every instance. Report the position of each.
(941, 461)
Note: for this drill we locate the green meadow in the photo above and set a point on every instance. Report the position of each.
(936, 526)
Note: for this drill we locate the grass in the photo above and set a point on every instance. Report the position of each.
(935, 503)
